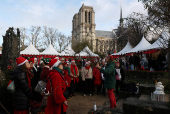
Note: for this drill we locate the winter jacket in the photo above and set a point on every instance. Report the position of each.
(55, 101)
(67, 76)
(34, 81)
(44, 73)
(109, 74)
(87, 73)
(137, 60)
(22, 95)
(132, 60)
(144, 63)
(97, 76)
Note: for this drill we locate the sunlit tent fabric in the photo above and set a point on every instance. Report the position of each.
(87, 52)
(125, 49)
(142, 44)
(50, 51)
(160, 43)
(68, 51)
(30, 50)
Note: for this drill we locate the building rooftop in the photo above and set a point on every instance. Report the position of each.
(101, 33)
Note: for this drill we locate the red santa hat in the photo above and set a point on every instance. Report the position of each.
(72, 60)
(54, 63)
(67, 61)
(20, 61)
(56, 58)
(32, 59)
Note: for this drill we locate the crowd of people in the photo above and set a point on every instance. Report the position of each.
(135, 62)
(62, 75)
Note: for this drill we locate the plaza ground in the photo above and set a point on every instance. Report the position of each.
(81, 104)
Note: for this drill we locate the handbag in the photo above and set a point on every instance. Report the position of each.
(117, 77)
(66, 94)
(11, 86)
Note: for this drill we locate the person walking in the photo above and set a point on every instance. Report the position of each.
(110, 81)
(56, 85)
(87, 76)
(22, 94)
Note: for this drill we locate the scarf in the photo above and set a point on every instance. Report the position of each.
(87, 67)
(30, 73)
(74, 69)
(67, 68)
(59, 70)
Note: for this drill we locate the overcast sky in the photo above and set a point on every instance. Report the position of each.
(58, 14)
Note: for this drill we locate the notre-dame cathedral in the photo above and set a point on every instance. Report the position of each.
(83, 28)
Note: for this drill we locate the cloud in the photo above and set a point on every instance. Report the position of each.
(59, 14)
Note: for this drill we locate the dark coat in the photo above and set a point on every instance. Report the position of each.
(22, 95)
(34, 81)
(132, 60)
(137, 60)
(109, 74)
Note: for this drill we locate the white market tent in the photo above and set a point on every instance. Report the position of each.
(68, 51)
(142, 44)
(158, 44)
(50, 51)
(30, 50)
(87, 52)
(125, 49)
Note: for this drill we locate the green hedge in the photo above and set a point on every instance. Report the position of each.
(139, 76)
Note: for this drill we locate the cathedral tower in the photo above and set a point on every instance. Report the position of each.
(83, 25)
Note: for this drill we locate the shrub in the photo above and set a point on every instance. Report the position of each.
(139, 76)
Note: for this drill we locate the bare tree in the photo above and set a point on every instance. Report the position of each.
(35, 37)
(50, 36)
(61, 41)
(23, 37)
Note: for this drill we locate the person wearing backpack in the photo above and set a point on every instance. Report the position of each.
(110, 81)
(22, 94)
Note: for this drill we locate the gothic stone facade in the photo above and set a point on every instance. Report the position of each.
(83, 28)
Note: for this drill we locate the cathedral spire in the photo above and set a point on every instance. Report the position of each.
(121, 19)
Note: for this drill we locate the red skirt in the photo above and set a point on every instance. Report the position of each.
(21, 112)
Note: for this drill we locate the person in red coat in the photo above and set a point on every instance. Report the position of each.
(45, 71)
(66, 73)
(56, 85)
(97, 79)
